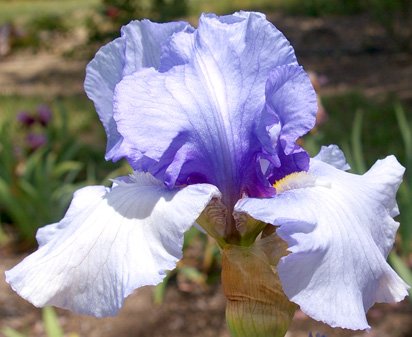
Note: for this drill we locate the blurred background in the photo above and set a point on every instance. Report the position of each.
(359, 55)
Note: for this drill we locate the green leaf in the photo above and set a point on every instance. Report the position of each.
(3, 236)
(190, 235)
(160, 290)
(51, 323)
(402, 269)
(359, 160)
(405, 129)
(9, 332)
(193, 275)
(66, 167)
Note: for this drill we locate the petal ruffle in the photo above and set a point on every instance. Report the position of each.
(334, 156)
(290, 112)
(110, 242)
(138, 47)
(204, 103)
(340, 229)
(291, 101)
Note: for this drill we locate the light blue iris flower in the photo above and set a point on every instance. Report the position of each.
(210, 114)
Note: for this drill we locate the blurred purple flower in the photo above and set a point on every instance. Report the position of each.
(25, 118)
(44, 114)
(35, 141)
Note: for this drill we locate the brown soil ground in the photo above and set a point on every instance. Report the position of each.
(351, 52)
(199, 313)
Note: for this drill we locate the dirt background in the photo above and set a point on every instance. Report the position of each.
(351, 53)
(199, 313)
(346, 53)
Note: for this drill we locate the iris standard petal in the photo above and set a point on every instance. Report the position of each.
(291, 100)
(339, 228)
(110, 242)
(138, 47)
(289, 113)
(195, 119)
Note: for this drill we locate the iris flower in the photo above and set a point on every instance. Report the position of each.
(209, 119)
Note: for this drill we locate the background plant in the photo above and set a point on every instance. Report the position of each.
(51, 326)
(42, 162)
(113, 14)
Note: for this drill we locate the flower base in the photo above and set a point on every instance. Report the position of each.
(256, 304)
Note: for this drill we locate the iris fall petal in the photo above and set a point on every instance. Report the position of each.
(110, 242)
(339, 228)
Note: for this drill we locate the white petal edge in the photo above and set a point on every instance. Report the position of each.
(334, 156)
(110, 242)
(339, 232)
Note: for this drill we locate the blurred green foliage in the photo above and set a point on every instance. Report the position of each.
(113, 14)
(379, 125)
(51, 326)
(41, 165)
(395, 16)
(103, 18)
(19, 11)
(405, 191)
(199, 267)
(40, 32)
(159, 10)
(323, 7)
